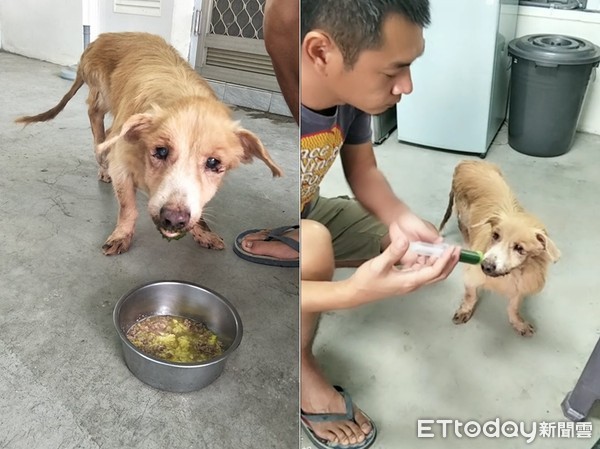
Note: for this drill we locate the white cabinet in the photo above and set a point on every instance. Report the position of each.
(460, 94)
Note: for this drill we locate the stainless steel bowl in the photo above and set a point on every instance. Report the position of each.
(180, 299)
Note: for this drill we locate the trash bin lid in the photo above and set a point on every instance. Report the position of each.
(555, 49)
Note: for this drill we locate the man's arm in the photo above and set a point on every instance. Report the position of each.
(323, 296)
(376, 279)
(373, 191)
(281, 33)
(368, 183)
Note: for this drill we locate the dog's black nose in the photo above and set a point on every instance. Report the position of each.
(488, 266)
(174, 219)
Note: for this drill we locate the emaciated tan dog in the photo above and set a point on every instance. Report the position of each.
(170, 136)
(516, 246)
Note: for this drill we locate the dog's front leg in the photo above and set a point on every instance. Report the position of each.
(467, 307)
(120, 240)
(518, 323)
(205, 237)
(473, 278)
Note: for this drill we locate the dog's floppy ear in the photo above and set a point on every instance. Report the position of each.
(548, 246)
(130, 131)
(492, 221)
(253, 147)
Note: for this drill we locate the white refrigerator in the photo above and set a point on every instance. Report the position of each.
(460, 94)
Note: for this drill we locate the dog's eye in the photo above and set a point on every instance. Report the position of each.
(161, 153)
(518, 248)
(213, 164)
(495, 236)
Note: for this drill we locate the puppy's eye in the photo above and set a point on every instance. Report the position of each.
(161, 153)
(518, 248)
(495, 236)
(213, 164)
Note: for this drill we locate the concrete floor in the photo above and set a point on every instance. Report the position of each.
(63, 382)
(403, 359)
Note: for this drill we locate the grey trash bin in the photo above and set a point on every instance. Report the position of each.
(549, 78)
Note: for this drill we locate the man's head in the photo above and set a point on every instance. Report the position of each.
(362, 50)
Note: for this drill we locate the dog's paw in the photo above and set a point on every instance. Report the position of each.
(462, 316)
(116, 245)
(103, 175)
(209, 240)
(524, 329)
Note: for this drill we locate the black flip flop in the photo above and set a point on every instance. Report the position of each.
(320, 443)
(274, 234)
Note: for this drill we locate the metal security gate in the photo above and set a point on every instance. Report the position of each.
(232, 49)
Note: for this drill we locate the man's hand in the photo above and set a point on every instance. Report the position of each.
(417, 229)
(380, 277)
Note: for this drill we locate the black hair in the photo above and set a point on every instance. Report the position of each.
(355, 25)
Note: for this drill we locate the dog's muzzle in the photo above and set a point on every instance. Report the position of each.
(173, 223)
(489, 269)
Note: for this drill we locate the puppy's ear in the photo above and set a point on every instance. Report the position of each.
(254, 148)
(548, 246)
(131, 130)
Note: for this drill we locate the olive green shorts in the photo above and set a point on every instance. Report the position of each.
(356, 234)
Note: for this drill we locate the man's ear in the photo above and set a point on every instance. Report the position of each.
(253, 147)
(131, 131)
(319, 48)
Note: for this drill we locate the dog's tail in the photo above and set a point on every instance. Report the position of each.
(51, 113)
(448, 210)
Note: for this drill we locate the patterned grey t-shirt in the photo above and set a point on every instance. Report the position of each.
(321, 140)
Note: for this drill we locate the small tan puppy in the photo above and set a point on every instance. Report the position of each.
(515, 244)
(170, 137)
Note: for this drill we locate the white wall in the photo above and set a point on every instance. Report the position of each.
(51, 31)
(585, 25)
(109, 21)
(174, 24)
(181, 26)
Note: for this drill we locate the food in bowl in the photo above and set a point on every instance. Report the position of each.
(175, 339)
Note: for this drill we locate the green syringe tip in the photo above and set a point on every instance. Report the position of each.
(471, 257)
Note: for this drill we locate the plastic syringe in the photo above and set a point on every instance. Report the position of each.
(436, 250)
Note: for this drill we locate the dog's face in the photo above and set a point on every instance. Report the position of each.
(185, 151)
(512, 242)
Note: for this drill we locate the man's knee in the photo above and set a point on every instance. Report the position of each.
(316, 252)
